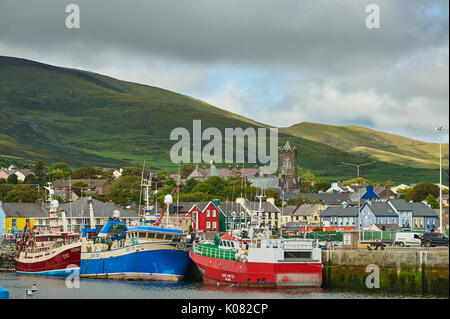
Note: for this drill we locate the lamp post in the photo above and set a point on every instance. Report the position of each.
(440, 129)
(359, 199)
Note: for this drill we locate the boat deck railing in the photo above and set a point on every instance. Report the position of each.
(213, 251)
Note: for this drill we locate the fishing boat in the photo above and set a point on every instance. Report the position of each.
(49, 253)
(141, 252)
(252, 258)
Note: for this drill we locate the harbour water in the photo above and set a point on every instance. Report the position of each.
(55, 288)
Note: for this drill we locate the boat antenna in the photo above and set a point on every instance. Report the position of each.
(178, 187)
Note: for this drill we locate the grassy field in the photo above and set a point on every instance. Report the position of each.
(379, 145)
(82, 118)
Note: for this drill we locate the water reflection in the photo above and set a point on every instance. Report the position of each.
(55, 288)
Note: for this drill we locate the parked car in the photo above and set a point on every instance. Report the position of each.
(407, 239)
(434, 239)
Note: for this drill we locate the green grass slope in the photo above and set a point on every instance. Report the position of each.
(82, 118)
(378, 145)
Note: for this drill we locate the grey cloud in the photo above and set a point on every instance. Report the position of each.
(313, 33)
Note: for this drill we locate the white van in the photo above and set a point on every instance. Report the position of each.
(407, 239)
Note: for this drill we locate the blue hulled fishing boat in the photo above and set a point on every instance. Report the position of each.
(143, 252)
(137, 253)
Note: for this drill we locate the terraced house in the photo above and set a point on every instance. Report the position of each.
(341, 217)
(415, 216)
(377, 213)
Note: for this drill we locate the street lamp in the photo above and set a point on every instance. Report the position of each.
(359, 199)
(440, 129)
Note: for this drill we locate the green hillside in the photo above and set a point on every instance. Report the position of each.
(82, 118)
(378, 145)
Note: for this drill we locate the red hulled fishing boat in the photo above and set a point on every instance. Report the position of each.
(251, 258)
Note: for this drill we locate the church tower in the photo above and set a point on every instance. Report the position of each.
(287, 167)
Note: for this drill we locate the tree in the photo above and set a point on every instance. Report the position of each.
(275, 195)
(86, 172)
(40, 171)
(186, 170)
(2, 181)
(78, 187)
(431, 200)
(321, 186)
(189, 185)
(306, 179)
(422, 190)
(356, 180)
(4, 190)
(22, 193)
(389, 183)
(12, 179)
(30, 179)
(59, 170)
(131, 171)
(125, 190)
(300, 200)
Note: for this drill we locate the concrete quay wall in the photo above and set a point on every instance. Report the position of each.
(410, 272)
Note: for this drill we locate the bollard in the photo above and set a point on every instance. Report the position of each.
(4, 294)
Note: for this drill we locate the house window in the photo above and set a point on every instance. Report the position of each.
(208, 213)
(214, 225)
(214, 213)
(208, 225)
(14, 223)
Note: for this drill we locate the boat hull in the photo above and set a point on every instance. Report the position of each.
(137, 262)
(222, 272)
(60, 261)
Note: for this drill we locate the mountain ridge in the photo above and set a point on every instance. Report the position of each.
(84, 118)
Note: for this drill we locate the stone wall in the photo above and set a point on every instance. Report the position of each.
(409, 272)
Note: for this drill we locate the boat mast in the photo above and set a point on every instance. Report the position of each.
(140, 192)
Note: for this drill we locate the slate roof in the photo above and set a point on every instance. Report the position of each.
(400, 204)
(229, 207)
(265, 206)
(288, 210)
(422, 210)
(382, 209)
(24, 210)
(306, 209)
(80, 208)
(184, 207)
(340, 211)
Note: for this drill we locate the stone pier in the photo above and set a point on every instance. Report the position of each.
(409, 271)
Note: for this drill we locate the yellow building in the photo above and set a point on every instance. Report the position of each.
(18, 214)
(17, 224)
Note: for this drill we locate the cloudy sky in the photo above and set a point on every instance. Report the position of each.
(280, 62)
